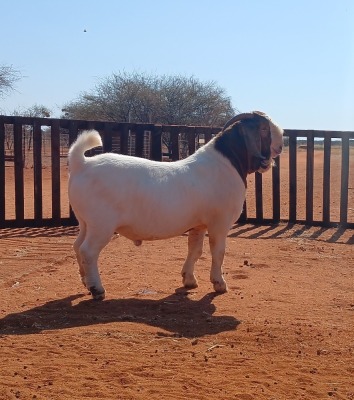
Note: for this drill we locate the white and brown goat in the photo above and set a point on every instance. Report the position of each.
(149, 200)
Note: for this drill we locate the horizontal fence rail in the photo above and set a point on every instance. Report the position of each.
(311, 183)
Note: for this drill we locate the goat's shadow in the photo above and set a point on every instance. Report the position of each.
(177, 314)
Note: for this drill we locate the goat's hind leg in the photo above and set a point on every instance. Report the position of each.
(96, 239)
(195, 250)
(78, 242)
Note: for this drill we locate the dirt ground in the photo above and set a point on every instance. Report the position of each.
(283, 331)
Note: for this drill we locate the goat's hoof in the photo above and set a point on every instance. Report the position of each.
(220, 287)
(190, 283)
(97, 294)
(99, 297)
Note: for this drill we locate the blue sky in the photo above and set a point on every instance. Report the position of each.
(291, 59)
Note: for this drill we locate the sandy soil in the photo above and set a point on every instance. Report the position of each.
(283, 331)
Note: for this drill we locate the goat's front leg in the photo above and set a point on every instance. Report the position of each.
(217, 242)
(195, 250)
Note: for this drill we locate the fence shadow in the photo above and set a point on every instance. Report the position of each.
(246, 231)
(293, 231)
(11, 233)
(177, 314)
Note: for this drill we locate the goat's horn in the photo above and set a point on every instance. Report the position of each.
(239, 117)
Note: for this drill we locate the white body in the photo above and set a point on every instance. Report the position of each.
(147, 200)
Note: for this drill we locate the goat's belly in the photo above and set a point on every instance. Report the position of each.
(139, 232)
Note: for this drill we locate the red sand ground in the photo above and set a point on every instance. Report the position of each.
(283, 331)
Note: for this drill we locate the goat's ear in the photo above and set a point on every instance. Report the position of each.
(251, 130)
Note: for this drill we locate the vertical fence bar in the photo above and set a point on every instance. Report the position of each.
(309, 177)
(208, 135)
(73, 131)
(276, 189)
(191, 135)
(174, 136)
(2, 173)
(124, 139)
(243, 216)
(107, 138)
(139, 140)
(292, 178)
(156, 143)
(55, 155)
(37, 172)
(344, 181)
(326, 179)
(259, 196)
(19, 180)
(198, 141)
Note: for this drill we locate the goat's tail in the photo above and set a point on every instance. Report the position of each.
(86, 141)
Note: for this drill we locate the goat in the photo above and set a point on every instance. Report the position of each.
(148, 200)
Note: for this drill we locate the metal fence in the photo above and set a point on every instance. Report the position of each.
(311, 183)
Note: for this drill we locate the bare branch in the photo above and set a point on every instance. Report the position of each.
(137, 97)
(8, 77)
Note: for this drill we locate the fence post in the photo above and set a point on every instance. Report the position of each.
(208, 135)
(72, 132)
(243, 216)
(292, 178)
(37, 171)
(19, 181)
(276, 189)
(107, 138)
(2, 173)
(191, 135)
(124, 138)
(156, 143)
(174, 135)
(55, 154)
(139, 140)
(326, 179)
(309, 177)
(259, 196)
(73, 128)
(344, 181)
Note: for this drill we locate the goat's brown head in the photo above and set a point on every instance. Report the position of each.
(250, 141)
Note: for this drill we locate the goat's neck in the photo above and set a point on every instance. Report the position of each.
(232, 146)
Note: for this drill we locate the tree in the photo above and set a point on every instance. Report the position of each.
(8, 77)
(136, 97)
(35, 111)
(186, 100)
(120, 98)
